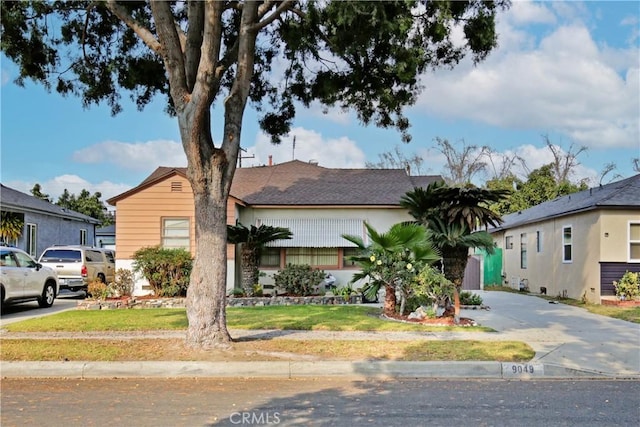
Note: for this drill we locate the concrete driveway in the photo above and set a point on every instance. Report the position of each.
(563, 335)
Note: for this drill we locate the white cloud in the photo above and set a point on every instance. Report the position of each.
(4, 76)
(563, 83)
(74, 184)
(139, 156)
(310, 145)
(526, 12)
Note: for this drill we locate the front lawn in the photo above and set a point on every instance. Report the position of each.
(297, 317)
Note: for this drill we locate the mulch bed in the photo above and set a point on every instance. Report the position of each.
(446, 320)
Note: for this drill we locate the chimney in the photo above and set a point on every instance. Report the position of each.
(270, 160)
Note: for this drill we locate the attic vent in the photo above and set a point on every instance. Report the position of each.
(176, 186)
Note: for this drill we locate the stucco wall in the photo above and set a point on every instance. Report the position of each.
(55, 231)
(614, 234)
(598, 236)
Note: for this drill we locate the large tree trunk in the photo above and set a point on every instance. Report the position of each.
(455, 262)
(210, 170)
(206, 296)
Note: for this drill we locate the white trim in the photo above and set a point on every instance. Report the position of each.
(629, 242)
(564, 227)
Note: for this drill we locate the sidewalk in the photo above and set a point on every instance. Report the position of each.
(569, 343)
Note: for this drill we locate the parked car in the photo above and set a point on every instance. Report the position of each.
(77, 266)
(23, 279)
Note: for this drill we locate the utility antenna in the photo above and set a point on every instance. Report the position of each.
(293, 151)
(240, 157)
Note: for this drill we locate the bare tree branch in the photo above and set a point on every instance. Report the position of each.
(282, 7)
(563, 163)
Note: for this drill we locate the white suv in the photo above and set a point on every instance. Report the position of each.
(23, 279)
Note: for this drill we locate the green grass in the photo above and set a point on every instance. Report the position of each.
(302, 317)
(630, 314)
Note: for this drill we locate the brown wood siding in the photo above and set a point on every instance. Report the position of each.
(139, 216)
(610, 271)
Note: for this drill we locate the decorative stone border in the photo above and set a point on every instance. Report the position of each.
(141, 303)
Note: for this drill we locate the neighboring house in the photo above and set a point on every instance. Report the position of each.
(575, 245)
(106, 237)
(317, 204)
(46, 224)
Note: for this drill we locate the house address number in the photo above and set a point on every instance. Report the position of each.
(522, 369)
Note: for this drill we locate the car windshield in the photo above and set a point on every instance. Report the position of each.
(61, 255)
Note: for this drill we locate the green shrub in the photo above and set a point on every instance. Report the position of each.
(429, 289)
(345, 292)
(301, 280)
(628, 287)
(469, 298)
(166, 270)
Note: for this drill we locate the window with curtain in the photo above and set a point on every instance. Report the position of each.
(312, 256)
(175, 233)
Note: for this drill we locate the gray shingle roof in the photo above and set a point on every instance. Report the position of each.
(11, 199)
(624, 194)
(300, 183)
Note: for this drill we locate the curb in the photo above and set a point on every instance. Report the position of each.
(296, 369)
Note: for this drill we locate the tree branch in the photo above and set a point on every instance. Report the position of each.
(195, 31)
(171, 51)
(264, 8)
(205, 87)
(144, 33)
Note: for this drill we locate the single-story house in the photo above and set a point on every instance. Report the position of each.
(317, 204)
(45, 224)
(575, 245)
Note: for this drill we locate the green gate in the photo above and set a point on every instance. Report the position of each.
(492, 267)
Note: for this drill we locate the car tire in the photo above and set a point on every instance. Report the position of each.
(48, 295)
(102, 278)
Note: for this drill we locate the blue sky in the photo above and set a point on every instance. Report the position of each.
(569, 70)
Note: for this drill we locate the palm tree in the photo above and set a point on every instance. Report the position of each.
(251, 241)
(452, 214)
(392, 260)
(11, 225)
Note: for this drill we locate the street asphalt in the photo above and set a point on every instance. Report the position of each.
(570, 343)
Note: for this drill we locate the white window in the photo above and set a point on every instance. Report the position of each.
(32, 241)
(83, 237)
(175, 233)
(567, 244)
(634, 242)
